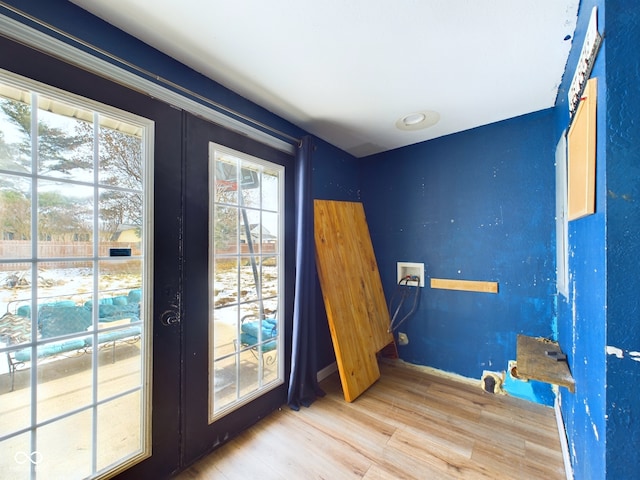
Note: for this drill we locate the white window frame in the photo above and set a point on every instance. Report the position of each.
(562, 227)
(40, 89)
(280, 254)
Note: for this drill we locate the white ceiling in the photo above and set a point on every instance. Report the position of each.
(347, 70)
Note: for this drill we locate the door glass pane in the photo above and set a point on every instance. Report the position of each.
(15, 128)
(117, 432)
(15, 218)
(73, 283)
(65, 219)
(245, 265)
(121, 160)
(69, 442)
(65, 140)
(225, 231)
(270, 188)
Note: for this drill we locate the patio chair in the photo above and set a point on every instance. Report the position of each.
(14, 330)
(250, 327)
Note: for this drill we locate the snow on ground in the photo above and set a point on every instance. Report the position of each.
(15, 287)
(225, 293)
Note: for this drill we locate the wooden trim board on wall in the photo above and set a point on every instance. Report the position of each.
(581, 154)
(466, 285)
(352, 291)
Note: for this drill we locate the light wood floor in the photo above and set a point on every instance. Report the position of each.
(409, 425)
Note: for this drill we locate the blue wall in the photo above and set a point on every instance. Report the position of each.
(602, 417)
(623, 238)
(335, 177)
(582, 316)
(478, 205)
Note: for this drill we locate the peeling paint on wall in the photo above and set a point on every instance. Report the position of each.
(615, 351)
(593, 425)
(620, 353)
(574, 330)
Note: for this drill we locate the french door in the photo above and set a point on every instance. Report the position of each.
(74, 325)
(238, 300)
(182, 358)
(92, 384)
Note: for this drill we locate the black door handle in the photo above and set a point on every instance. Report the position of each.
(170, 317)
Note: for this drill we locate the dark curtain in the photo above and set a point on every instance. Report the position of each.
(303, 384)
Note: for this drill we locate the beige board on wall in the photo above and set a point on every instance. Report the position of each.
(581, 155)
(466, 285)
(352, 291)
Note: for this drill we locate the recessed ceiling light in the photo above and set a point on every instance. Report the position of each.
(413, 119)
(418, 120)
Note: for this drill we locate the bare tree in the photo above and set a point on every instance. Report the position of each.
(55, 144)
(65, 151)
(62, 217)
(120, 166)
(15, 215)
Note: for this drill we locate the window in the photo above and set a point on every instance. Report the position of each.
(246, 260)
(73, 377)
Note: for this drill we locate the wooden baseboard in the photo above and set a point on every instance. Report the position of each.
(563, 440)
(326, 371)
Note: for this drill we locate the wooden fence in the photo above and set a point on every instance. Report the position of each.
(18, 249)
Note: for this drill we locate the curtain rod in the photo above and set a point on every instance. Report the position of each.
(156, 78)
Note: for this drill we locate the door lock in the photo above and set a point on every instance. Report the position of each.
(170, 317)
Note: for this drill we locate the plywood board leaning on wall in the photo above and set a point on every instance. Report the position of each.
(352, 292)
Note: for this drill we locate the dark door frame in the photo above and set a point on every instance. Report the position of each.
(166, 368)
(199, 436)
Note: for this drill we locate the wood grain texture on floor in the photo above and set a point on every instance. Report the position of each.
(411, 424)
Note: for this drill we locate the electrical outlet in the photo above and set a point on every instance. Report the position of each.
(413, 270)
